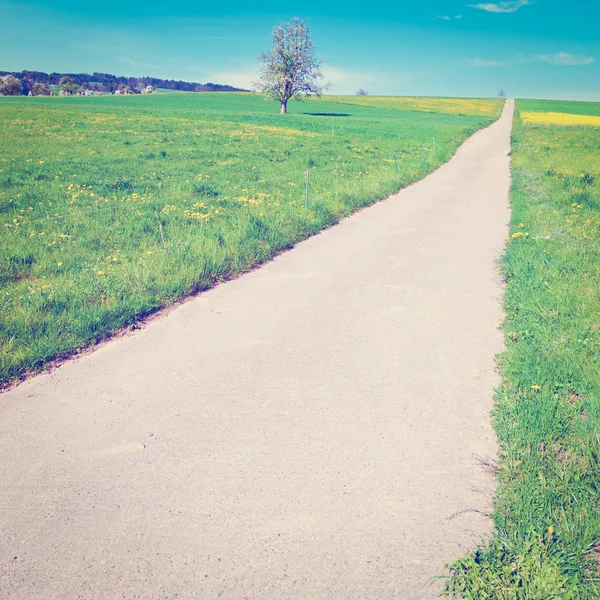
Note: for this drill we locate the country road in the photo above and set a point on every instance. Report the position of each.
(302, 432)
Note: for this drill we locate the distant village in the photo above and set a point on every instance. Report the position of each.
(37, 83)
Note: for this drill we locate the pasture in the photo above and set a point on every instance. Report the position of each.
(112, 207)
(547, 410)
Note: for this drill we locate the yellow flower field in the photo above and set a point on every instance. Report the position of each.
(557, 118)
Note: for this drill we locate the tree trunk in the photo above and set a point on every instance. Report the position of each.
(284, 108)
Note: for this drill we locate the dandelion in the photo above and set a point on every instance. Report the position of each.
(101, 273)
(536, 388)
(59, 264)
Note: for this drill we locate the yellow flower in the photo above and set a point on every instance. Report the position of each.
(101, 273)
(59, 264)
(557, 118)
(536, 387)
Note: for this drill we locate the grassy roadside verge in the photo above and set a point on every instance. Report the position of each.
(547, 409)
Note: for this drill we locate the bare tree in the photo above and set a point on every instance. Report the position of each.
(291, 68)
(362, 92)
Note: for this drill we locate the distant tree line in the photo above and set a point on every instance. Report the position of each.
(38, 83)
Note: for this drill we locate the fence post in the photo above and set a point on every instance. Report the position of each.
(395, 162)
(307, 183)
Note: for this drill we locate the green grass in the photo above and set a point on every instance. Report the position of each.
(457, 106)
(571, 108)
(111, 207)
(547, 409)
(166, 91)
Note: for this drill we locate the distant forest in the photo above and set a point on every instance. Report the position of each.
(105, 82)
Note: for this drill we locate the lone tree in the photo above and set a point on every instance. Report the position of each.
(291, 68)
(501, 93)
(362, 92)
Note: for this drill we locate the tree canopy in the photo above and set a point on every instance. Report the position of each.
(40, 89)
(10, 86)
(107, 83)
(291, 68)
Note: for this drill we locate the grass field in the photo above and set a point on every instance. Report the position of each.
(450, 106)
(111, 207)
(547, 410)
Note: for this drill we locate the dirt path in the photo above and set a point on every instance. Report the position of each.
(302, 432)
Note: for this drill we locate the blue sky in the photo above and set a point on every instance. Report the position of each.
(541, 48)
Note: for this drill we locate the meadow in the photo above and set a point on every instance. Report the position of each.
(547, 409)
(112, 207)
(450, 106)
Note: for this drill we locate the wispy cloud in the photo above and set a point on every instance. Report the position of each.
(238, 78)
(445, 18)
(502, 7)
(481, 62)
(566, 60)
(128, 60)
(347, 81)
(162, 67)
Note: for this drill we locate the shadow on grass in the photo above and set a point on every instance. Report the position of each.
(328, 114)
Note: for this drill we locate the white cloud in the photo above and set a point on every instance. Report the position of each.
(167, 68)
(347, 81)
(446, 18)
(502, 7)
(566, 60)
(335, 75)
(241, 79)
(127, 60)
(481, 62)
